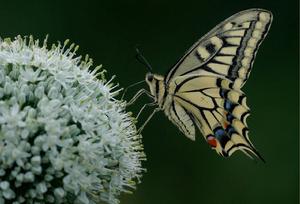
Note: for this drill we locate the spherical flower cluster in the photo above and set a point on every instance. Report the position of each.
(64, 138)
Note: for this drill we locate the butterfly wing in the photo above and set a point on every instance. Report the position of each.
(219, 111)
(227, 50)
(206, 82)
(182, 118)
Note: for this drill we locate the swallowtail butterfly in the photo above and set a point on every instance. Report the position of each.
(203, 89)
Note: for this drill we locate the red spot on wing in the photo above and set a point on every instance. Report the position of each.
(212, 141)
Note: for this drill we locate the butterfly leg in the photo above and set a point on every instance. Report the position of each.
(137, 95)
(144, 106)
(148, 119)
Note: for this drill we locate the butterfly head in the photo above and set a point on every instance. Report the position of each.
(156, 85)
(151, 80)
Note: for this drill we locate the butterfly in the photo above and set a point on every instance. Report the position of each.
(203, 89)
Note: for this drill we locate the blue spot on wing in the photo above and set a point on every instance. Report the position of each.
(229, 105)
(219, 133)
(230, 130)
(221, 136)
(229, 117)
(222, 93)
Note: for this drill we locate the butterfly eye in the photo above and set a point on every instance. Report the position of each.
(150, 77)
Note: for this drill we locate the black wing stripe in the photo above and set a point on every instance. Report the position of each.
(204, 118)
(203, 67)
(232, 73)
(184, 81)
(218, 62)
(223, 54)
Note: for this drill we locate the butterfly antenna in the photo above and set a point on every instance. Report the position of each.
(142, 59)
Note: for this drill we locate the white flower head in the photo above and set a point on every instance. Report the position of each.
(64, 138)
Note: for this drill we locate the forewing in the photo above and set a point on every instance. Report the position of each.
(228, 50)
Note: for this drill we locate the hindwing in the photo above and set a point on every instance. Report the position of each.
(181, 117)
(219, 111)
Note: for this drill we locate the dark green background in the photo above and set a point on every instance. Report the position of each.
(179, 170)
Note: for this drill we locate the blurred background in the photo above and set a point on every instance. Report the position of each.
(179, 170)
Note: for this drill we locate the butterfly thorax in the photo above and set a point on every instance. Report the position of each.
(157, 87)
